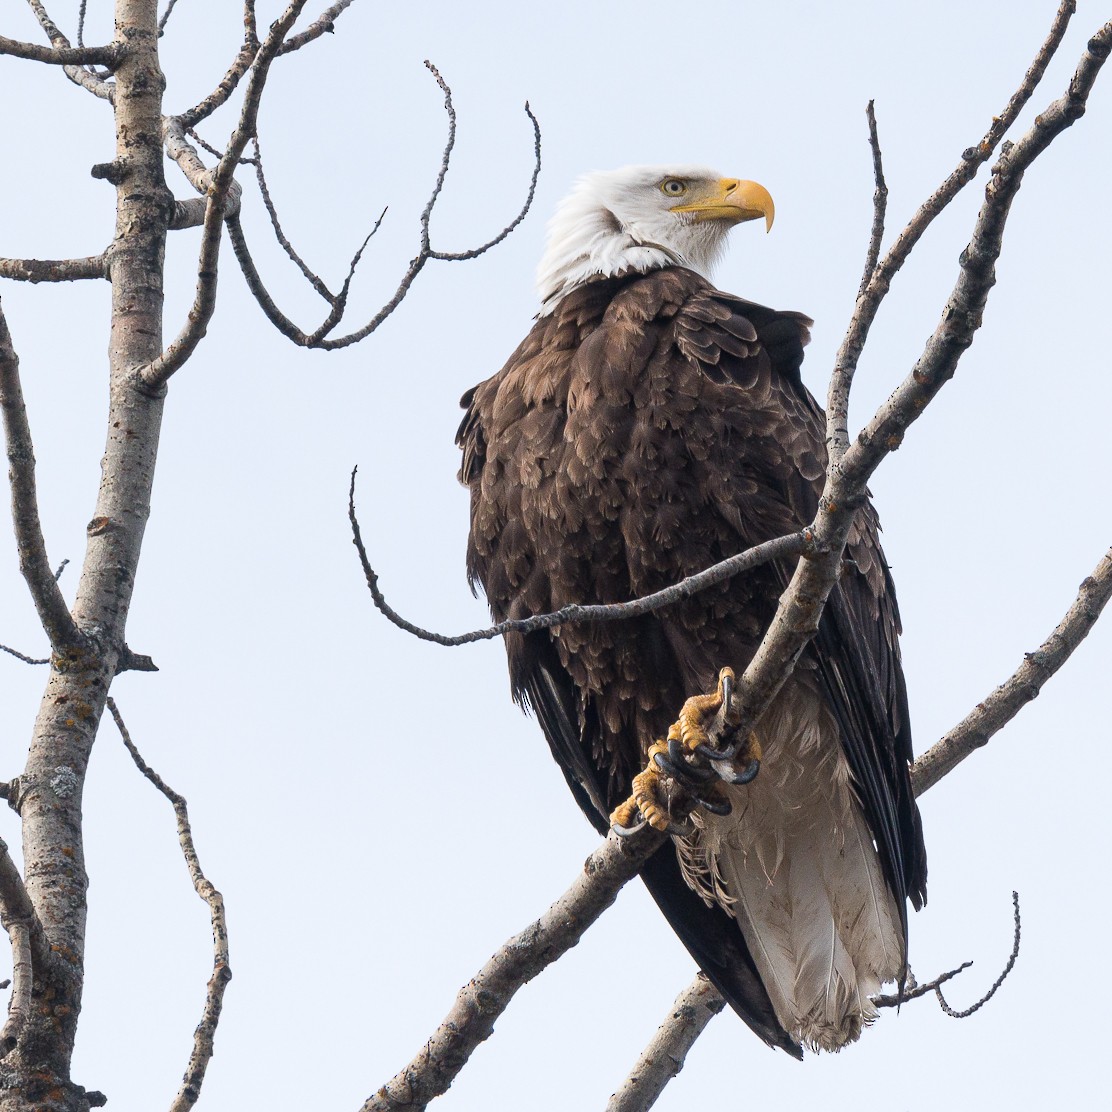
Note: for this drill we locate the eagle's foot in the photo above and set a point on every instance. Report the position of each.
(684, 772)
(736, 762)
(658, 798)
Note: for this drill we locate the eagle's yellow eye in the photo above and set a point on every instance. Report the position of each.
(673, 187)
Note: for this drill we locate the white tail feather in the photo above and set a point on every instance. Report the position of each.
(795, 866)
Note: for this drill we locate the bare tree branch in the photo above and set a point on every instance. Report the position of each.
(54, 270)
(228, 83)
(868, 301)
(880, 202)
(965, 1012)
(1022, 686)
(170, 5)
(323, 24)
(33, 562)
(205, 1033)
(318, 339)
(914, 991)
(664, 1055)
(795, 544)
(22, 656)
(157, 374)
(93, 82)
(279, 233)
(17, 915)
(62, 55)
(488, 994)
(475, 252)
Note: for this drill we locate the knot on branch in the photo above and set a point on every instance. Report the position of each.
(113, 172)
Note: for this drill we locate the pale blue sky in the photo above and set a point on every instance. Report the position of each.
(376, 812)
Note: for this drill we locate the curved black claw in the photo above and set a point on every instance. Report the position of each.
(715, 806)
(675, 829)
(727, 753)
(728, 771)
(728, 684)
(628, 831)
(676, 765)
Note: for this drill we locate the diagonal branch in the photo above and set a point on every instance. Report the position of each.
(483, 999)
(93, 82)
(1023, 685)
(205, 1033)
(324, 24)
(33, 562)
(664, 1055)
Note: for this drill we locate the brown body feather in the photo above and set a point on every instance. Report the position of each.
(646, 428)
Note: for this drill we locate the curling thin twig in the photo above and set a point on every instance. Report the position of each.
(205, 1033)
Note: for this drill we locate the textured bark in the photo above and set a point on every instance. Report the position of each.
(48, 794)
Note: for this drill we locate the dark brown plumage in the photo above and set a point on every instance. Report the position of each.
(646, 428)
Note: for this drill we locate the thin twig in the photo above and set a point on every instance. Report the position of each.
(170, 5)
(33, 562)
(339, 303)
(157, 373)
(664, 1055)
(268, 203)
(868, 301)
(483, 999)
(914, 991)
(792, 545)
(20, 656)
(880, 202)
(475, 252)
(999, 980)
(319, 338)
(205, 1033)
(227, 85)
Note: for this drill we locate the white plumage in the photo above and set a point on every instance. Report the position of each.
(795, 865)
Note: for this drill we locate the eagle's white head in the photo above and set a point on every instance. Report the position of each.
(640, 218)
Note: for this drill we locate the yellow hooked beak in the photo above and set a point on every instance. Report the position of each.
(733, 201)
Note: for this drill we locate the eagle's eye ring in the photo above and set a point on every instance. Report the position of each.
(673, 187)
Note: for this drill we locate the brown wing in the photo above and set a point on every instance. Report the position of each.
(648, 428)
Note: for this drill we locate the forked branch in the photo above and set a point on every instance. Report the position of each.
(320, 337)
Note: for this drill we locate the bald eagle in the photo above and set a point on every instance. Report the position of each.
(647, 427)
